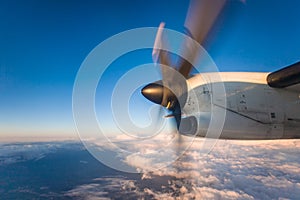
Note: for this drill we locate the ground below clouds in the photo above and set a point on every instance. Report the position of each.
(232, 170)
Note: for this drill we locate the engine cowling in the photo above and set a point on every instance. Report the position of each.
(285, 77)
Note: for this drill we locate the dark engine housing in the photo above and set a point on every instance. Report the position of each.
(285, 77)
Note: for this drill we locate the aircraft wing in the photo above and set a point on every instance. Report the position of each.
(287, 77)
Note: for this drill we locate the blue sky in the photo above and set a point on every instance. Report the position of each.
(43, 43)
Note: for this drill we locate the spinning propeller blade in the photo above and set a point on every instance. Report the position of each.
(201, 16)
(171, 91)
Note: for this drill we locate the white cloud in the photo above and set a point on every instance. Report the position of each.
(88, 192)
(105, 188)
(232, 170)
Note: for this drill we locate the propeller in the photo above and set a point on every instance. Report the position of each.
(171, 91)
(167, 92)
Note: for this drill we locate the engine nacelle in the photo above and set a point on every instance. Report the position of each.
(285, 77)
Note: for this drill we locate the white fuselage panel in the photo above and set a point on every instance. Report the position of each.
(253, 109)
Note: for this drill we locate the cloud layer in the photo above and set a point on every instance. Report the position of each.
(231, 170)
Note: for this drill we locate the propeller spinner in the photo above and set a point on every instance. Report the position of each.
(159, 94)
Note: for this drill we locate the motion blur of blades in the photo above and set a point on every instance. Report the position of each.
(200, 19)
(162, 57)
(159, 55)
